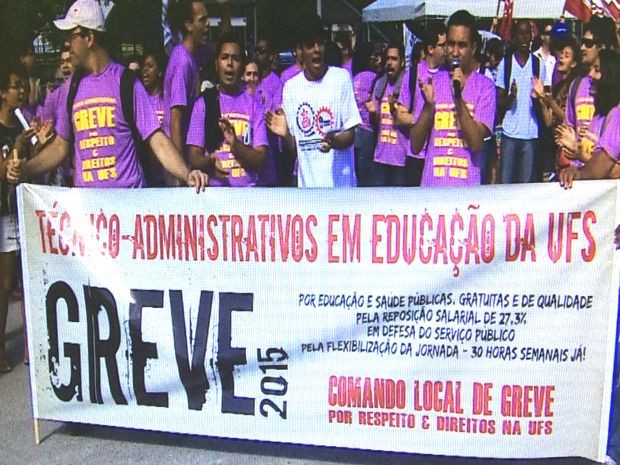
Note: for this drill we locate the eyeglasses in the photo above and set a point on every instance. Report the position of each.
(588, 43)
(80, 33)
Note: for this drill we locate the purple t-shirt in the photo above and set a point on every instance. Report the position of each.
(362, 82)
(180, 85)
(48, 110)
(269, 92)
(349, 67)
(290, 72)
(105, 152)
(247, 116)
(392, 143)
(589, 139)
(157, 101)
(449, 162)
(153, 169)
(580, 115)
(425, 74)
(610, 139)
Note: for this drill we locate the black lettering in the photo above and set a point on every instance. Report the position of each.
(229, 357)
(60, 290)
(98, 299)
(194, 378)
(140, 350)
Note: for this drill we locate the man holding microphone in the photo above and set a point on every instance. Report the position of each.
(457, 112)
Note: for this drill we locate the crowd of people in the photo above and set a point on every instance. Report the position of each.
(464, 112)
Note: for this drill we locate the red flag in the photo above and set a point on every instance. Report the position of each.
(584, 9)
(580, 9)
(610, 8)
(504, 29)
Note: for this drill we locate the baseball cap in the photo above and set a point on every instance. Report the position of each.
(560, 29)
(83, 13)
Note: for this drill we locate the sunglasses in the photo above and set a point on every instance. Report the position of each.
(588, 43)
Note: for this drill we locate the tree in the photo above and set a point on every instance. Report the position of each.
(21, 21)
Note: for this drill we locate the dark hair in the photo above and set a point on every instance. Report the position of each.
(333, 54)
(362, 54)
(495, 47)
(159, 56)
(570, 42)
(248, 61)
(8, 67)
(465, 18)
(309, 29)
(361, 58)
(607, 94)
(229, 38)
(543, 23)
(416, 52)
(431, 33)
(178, 13)
(24, 48)
(269, 44)
(515, 24)
(603, 30)
(399, 46)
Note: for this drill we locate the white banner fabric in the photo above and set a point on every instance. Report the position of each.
(467, 322)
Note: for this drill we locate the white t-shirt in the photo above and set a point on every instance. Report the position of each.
(520, 121)
(314, 109)
(550, 62)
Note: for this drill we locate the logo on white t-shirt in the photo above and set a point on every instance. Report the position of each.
(305, 119)
(324, 120)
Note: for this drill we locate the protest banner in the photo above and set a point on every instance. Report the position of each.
(470, 322)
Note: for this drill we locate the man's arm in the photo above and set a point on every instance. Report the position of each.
(473, 131)
(171, 160)
(176, 127)
(50, 158)
(198, 160)
(338, 140)
(600, 166)
(250, 158)
(421, 129)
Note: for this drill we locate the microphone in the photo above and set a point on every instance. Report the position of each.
(25, 125)
(456, 84)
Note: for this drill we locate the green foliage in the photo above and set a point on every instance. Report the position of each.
(23, 20)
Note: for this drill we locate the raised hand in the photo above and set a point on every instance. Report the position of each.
(513, 90)
(228, 130)
(538, 89)
(276, 122)
(428, 91)
(566, 138)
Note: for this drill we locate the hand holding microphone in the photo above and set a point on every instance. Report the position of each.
(455, 67)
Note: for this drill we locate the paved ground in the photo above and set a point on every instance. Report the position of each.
(63, 444)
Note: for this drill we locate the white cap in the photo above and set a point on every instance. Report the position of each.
(83, 13)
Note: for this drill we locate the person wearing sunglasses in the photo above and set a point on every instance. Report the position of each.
(580, 99)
